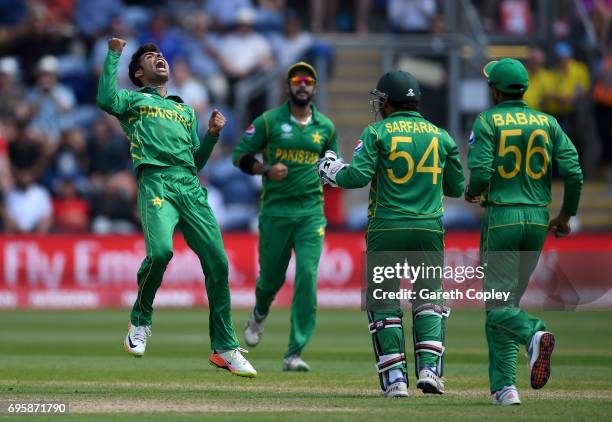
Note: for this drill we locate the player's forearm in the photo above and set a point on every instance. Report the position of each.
(351, 178)
(454, 188)
(479, 181)
(453, 182)
(107, 97)
(571, 193)
(202, 154)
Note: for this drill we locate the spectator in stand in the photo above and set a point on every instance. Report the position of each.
(117, 29)
(293, 42)
(6, 177)
(108, 152)
(28, 205)
(114, 207)
(270, 15)
(570, 83)
(51, 103)
(13, 104)
(602, 94)
(243, 52)
(202, 57)
(70, 211)
(28, 150)
(166, 37)
(36, 40)
(191, 91)
(516, 17)
(411, 16)
(69, 162)
(335, 16)
(539, 79)
(223, 12)
(93, 17)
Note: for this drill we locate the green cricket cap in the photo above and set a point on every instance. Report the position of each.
(399, 87)
(507, 75)
(301, 66)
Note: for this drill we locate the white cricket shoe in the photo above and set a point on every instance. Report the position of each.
(295, 363)
(135, 341)
(234, 362)
(539, 352)
(396, 389)
(430, 382)
(507, 396)
(253, 331)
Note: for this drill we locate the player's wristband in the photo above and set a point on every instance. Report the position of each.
(247, 162)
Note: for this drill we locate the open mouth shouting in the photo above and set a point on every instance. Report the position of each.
(161, 65)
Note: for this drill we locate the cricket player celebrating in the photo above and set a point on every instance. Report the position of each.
(510, 157)
(167, 154)
(411, 164)
(292, 138)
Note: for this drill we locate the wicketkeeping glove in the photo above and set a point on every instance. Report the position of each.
(329, 166)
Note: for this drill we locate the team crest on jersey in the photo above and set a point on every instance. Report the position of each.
(250, 131)
(471, 141)
(358, 146)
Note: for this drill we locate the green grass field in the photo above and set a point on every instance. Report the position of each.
(78, 357)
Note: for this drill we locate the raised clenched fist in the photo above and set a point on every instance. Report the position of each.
(216, 122)
(116, 44)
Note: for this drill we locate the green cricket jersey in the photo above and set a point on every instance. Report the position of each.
(162, 130)
(510, 157)
(282, 140)
(411, 164)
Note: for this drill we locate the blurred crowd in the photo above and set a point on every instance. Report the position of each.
(65, 166)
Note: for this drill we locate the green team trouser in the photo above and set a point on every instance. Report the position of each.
(511, 240)
(168, 196)
(409, 235)
(277, 237)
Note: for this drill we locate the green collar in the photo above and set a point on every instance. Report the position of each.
(154, 91)
(285, 113)
(512, 103)
(405, 113)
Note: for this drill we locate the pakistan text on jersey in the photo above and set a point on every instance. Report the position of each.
(164, 113)
(519, 119)
(296, 155)
(411, 126)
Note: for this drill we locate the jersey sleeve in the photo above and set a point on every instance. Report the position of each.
(453, 180)
(565, 158)
(254, 138)
(109, 99)
(481, 150)
(365, 160)
(201, 149)
(332, 142)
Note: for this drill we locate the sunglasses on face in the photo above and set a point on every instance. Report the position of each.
(297, 80)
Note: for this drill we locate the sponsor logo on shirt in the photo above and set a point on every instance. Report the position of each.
(471, 141)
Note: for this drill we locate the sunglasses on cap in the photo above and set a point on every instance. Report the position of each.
(297, 80)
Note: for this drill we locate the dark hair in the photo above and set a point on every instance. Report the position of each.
(407, 106)
(135, 62)
(511, 96)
